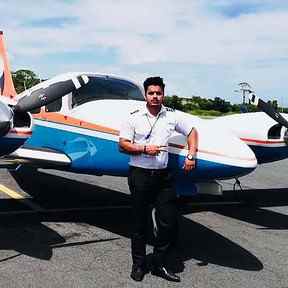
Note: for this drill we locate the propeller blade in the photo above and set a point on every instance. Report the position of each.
(268, 109)
(49, 91)
(6, 115)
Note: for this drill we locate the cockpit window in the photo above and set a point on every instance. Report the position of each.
(106, 88)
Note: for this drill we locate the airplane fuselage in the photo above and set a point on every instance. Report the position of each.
(89, 133)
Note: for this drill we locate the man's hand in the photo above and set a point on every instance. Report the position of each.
(154, 150)
(189, 165)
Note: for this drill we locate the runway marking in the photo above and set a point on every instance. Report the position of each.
(10, 192)
(17, 196)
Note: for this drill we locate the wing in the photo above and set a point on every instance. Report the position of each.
(44, 158)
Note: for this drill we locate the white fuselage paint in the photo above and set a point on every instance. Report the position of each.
(215, 145)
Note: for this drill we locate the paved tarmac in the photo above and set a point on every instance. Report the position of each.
(61, 229)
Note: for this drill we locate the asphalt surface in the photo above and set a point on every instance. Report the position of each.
(66, 230)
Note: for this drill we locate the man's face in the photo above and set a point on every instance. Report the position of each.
(154, 95)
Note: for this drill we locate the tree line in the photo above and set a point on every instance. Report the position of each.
(206, 107)
(24, 79)
(212, 107)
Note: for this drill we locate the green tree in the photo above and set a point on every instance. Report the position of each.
(24, 79)
(173, 102)
(221, 105)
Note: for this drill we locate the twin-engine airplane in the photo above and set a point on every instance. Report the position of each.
(77, 129)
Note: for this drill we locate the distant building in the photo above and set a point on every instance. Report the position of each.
(187, 100)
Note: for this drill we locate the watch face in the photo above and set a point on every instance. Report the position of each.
(190, 157)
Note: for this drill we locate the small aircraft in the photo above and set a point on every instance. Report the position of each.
(74, 124)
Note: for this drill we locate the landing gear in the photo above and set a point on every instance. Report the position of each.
(241, 196)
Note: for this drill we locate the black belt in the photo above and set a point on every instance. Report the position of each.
(151, 172)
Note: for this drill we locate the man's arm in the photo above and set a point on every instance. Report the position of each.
(126, 146)
(192, 142)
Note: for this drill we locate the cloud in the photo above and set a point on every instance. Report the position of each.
(201, 47)
(52, 22)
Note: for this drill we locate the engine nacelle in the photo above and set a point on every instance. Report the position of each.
(15, 128)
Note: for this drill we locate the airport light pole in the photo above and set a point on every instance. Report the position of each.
(244, 88)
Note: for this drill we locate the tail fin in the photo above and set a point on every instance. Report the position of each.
(6, 84)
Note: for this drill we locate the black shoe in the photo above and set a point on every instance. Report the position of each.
(165, 274)
(138, 273)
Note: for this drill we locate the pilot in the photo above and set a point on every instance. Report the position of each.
(144, 136)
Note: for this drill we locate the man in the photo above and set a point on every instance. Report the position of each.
(145, 137)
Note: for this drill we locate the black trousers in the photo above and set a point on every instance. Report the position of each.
(154, 187)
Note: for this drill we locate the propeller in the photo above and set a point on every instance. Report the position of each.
(6, 116)
(49, 91)
(40, 95)
(270, 111)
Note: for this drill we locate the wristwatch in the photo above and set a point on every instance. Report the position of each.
(191, 157)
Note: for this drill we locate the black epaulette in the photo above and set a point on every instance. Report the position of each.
(170, 109)
(134, 111)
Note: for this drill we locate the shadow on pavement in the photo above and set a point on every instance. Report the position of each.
(253, 208)
(29, 238)
(195, 240)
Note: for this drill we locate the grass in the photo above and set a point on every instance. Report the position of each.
(207, 114)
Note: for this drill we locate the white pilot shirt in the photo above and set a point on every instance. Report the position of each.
(144, 128)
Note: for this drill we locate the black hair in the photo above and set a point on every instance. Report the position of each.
(156, 81)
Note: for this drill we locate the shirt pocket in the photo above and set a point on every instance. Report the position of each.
(169, 127)
(141, 131)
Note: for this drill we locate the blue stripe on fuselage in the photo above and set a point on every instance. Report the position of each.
(266, 154)
(95, 155)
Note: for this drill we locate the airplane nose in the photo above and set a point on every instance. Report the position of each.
(230, 153)
(226, 163)
(5, 118)
(221, 154)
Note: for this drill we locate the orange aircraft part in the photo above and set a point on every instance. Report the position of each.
(6, 83)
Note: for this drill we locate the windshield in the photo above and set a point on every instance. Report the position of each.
(106, 88)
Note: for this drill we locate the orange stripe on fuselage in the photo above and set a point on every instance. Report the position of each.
(71, 121)
(211, 153)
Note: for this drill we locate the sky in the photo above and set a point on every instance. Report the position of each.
(199, 47)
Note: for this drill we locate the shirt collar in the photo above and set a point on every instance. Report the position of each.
(145, 111)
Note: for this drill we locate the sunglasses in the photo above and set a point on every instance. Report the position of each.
(155, 92)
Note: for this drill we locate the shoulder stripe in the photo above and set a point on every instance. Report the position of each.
(134, 111)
